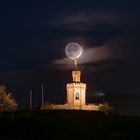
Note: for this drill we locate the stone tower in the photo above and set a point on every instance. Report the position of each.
(76, 91)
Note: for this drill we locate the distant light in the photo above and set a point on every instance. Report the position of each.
(100, 94)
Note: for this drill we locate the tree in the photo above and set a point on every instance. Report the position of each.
(107, 109)
(7, 102)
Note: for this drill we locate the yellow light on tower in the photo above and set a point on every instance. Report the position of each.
(75, 62)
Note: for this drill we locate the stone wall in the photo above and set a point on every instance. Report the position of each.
(72, 90)
(70, 107)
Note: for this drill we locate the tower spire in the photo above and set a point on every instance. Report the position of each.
(76, 74)
(75, 63)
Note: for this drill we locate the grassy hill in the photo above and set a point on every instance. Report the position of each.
(67, 125)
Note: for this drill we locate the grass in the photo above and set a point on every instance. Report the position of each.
(67, 125)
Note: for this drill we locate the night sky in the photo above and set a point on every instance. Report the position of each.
(33, 36)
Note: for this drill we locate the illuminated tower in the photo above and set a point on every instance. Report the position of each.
(76, 91)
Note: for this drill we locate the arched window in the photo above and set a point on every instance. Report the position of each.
(77, 96)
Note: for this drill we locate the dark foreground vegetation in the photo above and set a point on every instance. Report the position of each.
(48, 125)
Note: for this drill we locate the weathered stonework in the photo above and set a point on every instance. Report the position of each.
(76, 97)
(76, 94)
(76, 91)
(89, 107)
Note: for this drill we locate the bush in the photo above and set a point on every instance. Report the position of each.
(107, 109)
(7, 102)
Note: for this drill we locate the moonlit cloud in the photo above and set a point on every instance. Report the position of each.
(94, 54)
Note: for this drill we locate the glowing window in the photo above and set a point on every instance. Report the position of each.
(77, 96)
